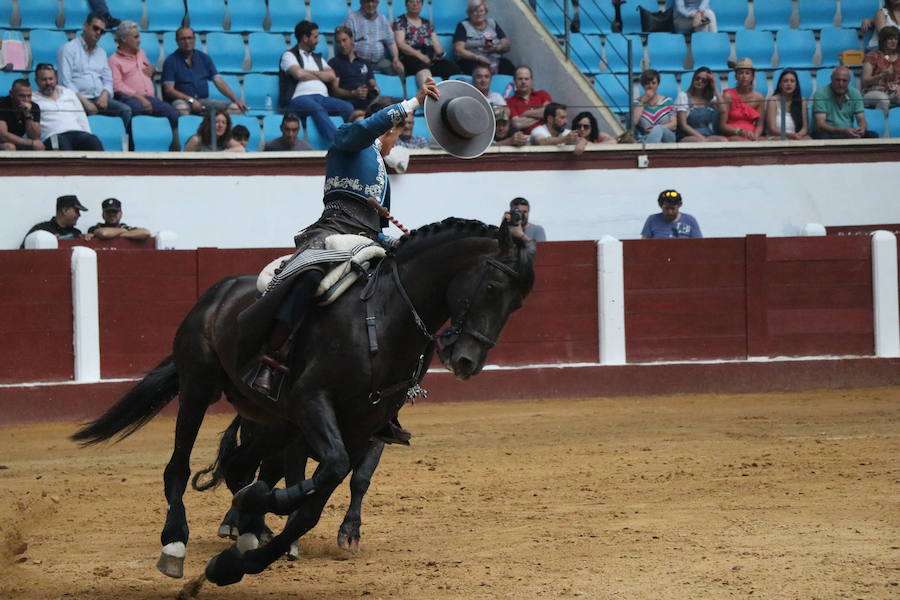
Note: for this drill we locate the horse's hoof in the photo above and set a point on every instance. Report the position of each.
(253, 498)
(266, 536)
(346, 542)
(247, 541)
(293, 552)
(228, 531)
(225, 567)
(171, 560)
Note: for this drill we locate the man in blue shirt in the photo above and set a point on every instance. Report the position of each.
(670, 222)
(186, 75)
(83, 68)
(354, 78)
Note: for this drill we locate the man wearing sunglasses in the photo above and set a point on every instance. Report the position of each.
(83, 68)
(670, 222)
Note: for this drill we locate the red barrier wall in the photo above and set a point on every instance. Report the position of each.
(36, 316)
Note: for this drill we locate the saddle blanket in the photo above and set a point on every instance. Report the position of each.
(352, 253)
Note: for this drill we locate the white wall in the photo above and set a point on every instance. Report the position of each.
(571, 205)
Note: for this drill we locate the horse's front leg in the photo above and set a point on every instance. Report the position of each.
(348, 533)
(321, 436)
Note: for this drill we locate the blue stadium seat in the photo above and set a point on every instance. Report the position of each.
(252, 124)
(616, 53)
(834, 41)
(328, 14)
(75, 13)
(666, 51)
(206, 15)
(5, 13)
(731, 14)
(38, 13)
(804, 78)
(596, 17)
(44, 43)
(876, 121)
(445, 14)
(246, 16)
(127, 10)
(772, 14)
(233, 82)
(111, 131)
(108, 43)
(7, 78)
(446, 42)
(284, 15)
(256, 87)
(165, 15)
(390, 85)
(151, 134)
(615, 89)
(169, 45)
(500, 82)
(266, 50)
(313, 136)
(711, 50)
(796, 48)
(816, 14)
(755, 44)
(323, 48)
(668, 85)
(227, 51)
(187, 126)
(854, 11)
(271, 127)
(420, 128)
(150, 45)
(550, 13)
(760, 83)
(585, 52)
(631, 16)
(893, 120)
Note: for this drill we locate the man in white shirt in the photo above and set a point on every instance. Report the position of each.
(313, 77)
(553, 132)
(83, 68)
(481, 79)
(64, 124)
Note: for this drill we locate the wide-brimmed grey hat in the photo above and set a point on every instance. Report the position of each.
(462, 120)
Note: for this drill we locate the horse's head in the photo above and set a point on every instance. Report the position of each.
(481, 298)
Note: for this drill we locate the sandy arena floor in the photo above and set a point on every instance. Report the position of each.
(792, 496)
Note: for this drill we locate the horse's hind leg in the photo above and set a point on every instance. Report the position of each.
(197, 393)
(348, 533)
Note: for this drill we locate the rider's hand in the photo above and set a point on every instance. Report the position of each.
(428, 89)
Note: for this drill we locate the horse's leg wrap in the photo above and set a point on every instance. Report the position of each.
(257, 498)
(225, 568)
(289, 499)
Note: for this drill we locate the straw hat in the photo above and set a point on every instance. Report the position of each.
(462, 120)
(744, 63)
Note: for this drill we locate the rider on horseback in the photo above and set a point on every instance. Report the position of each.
(354, 174)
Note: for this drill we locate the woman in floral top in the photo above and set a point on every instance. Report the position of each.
(881, 71)
(420, 50)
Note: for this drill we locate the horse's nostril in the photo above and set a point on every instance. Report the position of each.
(464, 366)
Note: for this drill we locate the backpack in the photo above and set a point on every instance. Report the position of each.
(286, 83)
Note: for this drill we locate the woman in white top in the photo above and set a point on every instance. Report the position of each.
(796, 122)
(697, 109)
(889, 14)
(693, 15)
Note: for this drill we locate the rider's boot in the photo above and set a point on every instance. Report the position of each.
(393, 433)
(272, 361)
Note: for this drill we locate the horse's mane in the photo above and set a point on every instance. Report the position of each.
(435, 234)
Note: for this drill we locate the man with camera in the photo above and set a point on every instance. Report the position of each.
(354, 79)
(519, 209)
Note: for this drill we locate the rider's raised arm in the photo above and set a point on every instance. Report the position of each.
(353, 137)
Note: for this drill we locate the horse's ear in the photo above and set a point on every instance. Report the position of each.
(505, 238)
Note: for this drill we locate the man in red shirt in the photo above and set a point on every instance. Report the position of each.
(526, 106)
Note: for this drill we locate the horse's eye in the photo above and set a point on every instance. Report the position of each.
(492, 288)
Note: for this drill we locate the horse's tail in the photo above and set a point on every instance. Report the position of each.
(135, 408)
(227, 445)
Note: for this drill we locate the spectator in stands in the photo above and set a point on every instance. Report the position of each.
(64, 124)
(532, 231)
(99, 7)
(504, 135)
(479, 40)
(670, 222)
(83, 68)
(132, 76)
(20, 119)
(554, 131)
(788, 94)
(62, 225)
(420, 49)
(354, 78)
(186, 76)
(202, 140)
(481, 79)
(304, 68)
(836, 106)
(654, 117)
(407, 139)
(112, 225)
(741, 108)
(585, 126)
(697, 109)
(526, 106)
(889, 14)
(693, 15)
(374, 38)
(290, 139)
(881, 71)
(241, 135)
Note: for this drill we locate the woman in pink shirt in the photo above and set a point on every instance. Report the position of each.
(132, 72)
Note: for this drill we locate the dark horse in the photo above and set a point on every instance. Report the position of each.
(350, 372)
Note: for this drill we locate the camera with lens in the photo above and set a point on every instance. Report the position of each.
(516, 217)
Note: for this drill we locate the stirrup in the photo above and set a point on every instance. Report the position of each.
(268, 377)
(393, 433)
